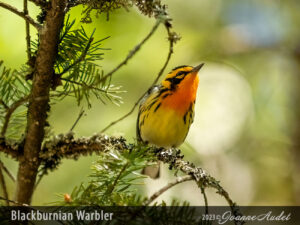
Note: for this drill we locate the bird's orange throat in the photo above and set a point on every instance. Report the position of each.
(185, 94)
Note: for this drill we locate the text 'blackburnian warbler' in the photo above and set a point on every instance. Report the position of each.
(167, 110)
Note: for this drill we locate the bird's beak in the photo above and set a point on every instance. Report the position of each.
(197, 68)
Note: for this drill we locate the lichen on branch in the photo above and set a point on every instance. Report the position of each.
(66, 146)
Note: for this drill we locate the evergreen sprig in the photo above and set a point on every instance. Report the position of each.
(114, 179)
(14, 88)
(77, 67)
(13, 85)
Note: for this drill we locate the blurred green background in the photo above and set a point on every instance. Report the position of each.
(246, 131)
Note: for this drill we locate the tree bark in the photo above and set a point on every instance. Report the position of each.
(39, 101)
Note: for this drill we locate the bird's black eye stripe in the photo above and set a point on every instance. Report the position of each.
(174, 80)
(177, 78)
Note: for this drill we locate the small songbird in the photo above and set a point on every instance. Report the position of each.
(167, 111)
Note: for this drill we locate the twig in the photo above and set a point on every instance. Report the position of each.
(123, 117)
(81, 113)
(2, 182)
(15, 202)
(21, 14)
(9, 174)
(133, 51)
(9, 112)
(165, 188)
(174, 159)
(205, 199)
(172, 41)
(27, 27)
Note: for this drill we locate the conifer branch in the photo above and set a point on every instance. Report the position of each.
(83, 84)
(66, 146)
(80, 58)
(21, 14)
(167, 187)
(77, 57)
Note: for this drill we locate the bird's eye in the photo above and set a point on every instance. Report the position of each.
(180, 74)
(175, 80)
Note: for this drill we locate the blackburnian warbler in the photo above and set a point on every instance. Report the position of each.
(167, 110)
